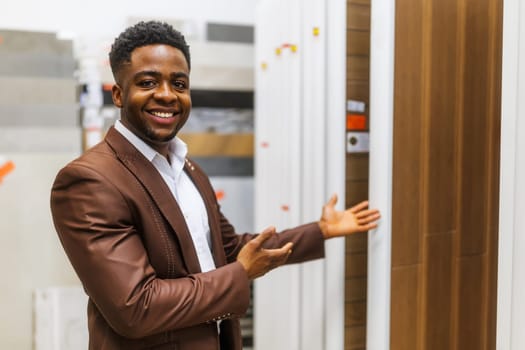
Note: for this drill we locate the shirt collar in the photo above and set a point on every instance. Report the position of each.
(177, 148)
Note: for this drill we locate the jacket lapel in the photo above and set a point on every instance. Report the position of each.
(208, 195)
(152, 181)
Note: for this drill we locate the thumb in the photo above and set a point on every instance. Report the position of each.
(333, 200)
(329, 207)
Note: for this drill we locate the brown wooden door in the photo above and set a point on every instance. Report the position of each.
(445, 174)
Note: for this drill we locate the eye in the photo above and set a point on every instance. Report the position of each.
(179, 84)
(148, 83)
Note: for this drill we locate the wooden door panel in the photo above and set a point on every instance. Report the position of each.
(446, 157)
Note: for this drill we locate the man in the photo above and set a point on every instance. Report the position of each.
(139, 221)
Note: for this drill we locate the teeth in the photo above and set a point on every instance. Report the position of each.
(162, 115)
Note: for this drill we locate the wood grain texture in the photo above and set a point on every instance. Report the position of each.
(445, 174)
(215, 144)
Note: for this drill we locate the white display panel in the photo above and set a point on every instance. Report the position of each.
(511, 261)
(380, 182)
(300, 161)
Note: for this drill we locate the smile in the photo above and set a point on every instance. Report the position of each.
(164, 115)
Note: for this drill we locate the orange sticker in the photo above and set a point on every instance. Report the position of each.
(284, 207)
(5, 169)
(355, 122)
(220, 195)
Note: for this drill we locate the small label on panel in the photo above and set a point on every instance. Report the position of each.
(357, 142)
(355, 106)
(355, 122)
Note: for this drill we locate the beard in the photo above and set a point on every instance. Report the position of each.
(153, 136)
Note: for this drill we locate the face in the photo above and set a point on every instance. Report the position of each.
(153, 93)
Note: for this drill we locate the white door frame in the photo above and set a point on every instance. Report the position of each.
(382, 44)
(511, 264)
(334, 267)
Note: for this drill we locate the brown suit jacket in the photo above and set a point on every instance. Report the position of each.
(128, 242)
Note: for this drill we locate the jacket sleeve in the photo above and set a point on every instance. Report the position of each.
(96, 226)
(307, 239)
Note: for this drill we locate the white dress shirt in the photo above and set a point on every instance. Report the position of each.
(182, 188)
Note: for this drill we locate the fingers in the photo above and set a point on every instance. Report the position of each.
(369, 227)
(278, 253)
(358, 207)
(367, 217)
(278, 257)
(258, 261)
(367, 213)
(284, 250)
(288, 247)
(368, 220)
(263, 237)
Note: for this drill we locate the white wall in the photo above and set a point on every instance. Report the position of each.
(101, 18)
(30, 253)
(511, 264)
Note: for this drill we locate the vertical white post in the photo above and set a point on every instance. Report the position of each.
(381, 143)
(511, 261)
(312, 50)
(335, 168)
(277, 302)
(509, 110)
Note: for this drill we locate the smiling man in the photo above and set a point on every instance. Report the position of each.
(139, 221)
(153, 92)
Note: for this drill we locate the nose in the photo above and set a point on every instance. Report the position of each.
(165, 93)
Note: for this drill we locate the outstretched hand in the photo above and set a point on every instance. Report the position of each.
(359, 218)
(257, 261)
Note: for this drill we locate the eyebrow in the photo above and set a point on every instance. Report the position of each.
(157, 74)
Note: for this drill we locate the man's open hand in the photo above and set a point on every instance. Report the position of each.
(257, 260)
(336, 223)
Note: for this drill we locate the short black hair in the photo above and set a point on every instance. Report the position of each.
(143, 34)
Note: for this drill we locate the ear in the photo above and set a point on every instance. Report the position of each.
(116, 95)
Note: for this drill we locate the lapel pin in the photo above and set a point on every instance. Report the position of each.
(189, 164)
